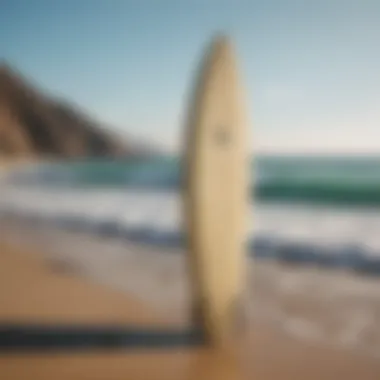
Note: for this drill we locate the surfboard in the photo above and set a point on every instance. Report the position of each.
(215, 193)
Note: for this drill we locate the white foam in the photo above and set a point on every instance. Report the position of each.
(161, 212)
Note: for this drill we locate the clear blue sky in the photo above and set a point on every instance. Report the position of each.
(311, 67)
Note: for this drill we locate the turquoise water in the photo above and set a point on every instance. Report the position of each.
(342, 180)
(322, 210)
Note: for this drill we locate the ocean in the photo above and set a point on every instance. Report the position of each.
(318, 211)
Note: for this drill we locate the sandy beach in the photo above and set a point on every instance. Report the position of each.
(33, 290)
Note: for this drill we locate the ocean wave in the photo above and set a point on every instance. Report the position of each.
(316, 237)
(338, 181)
(335, 192)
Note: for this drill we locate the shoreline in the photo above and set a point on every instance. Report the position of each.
(8, 165)
(336, 307)
(31, 291)
(359, 254)
(25, 268)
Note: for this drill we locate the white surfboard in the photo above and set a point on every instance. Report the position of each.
(216, 193)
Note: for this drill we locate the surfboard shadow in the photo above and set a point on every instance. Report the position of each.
(15, 337)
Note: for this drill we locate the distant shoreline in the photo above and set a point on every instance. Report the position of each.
(8, 165)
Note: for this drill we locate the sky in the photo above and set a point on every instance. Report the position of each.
(310, 69)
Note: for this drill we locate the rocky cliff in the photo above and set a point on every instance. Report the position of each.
(34, 125)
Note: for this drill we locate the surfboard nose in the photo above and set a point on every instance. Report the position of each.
(221, 47)
(222, 41)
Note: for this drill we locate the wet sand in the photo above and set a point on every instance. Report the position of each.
(30, 290)
(339, 308)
